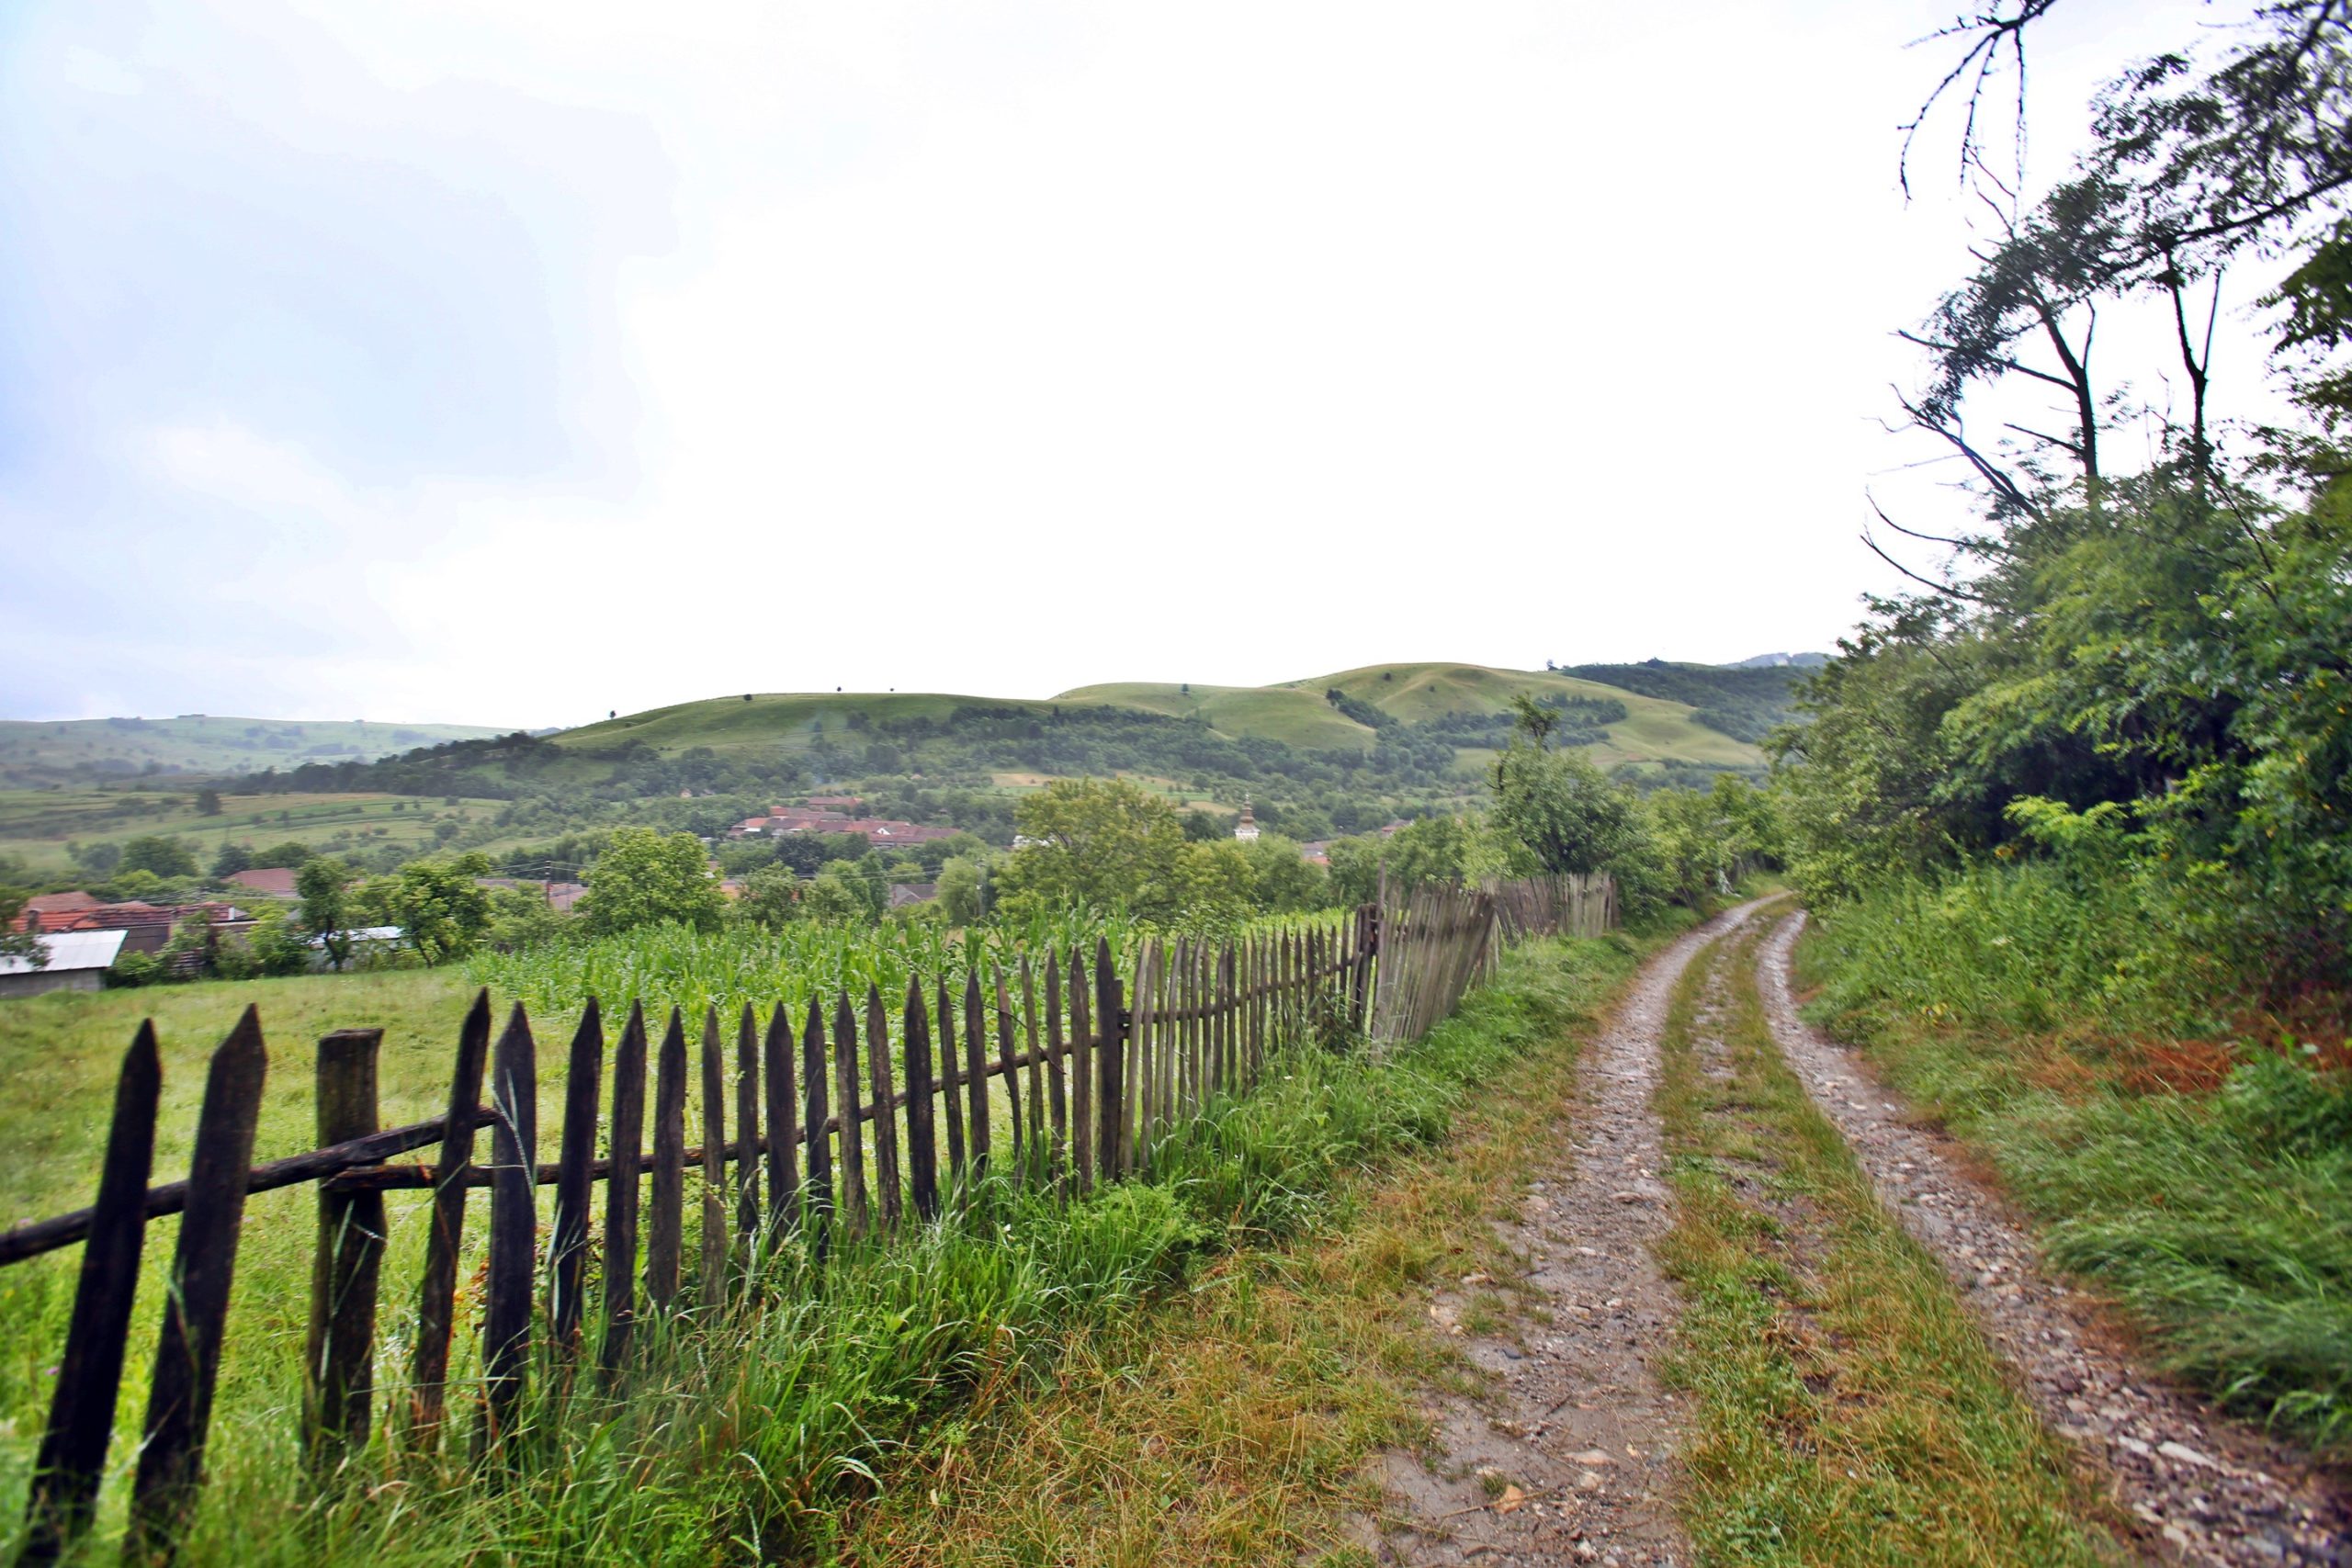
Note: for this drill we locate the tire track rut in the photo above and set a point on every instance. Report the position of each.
(2202, 1488)
(1569, 1456)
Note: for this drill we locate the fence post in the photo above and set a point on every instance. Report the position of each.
(747, 1140)
(338, 1366)
(784, 1127)
(976, 1076)
(1110, 1061)
(951, 1103)
(1045, 1147)
(513, 1225)
(196, 1309)
(815, 1147)
(852, 1142)
(922, 1149)
(665, 1235)
(1004, 1063)
(1367, 943)
(1112, 1110)
(89, 1375)
(567, 1277)
(710, 1290)
(886, 1117)
(1057, 1070)
(436, 1294)
(621, 1193)
(1083, 1120)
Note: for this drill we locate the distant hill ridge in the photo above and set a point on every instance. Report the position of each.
(1655, 713)
(35, 752)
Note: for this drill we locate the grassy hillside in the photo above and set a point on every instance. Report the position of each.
(50, 751)
(1295, 715)
(767, 721)
(1655, 730)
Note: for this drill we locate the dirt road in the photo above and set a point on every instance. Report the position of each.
(1567, 1454)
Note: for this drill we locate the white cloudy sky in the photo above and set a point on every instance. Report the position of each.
(512, 362)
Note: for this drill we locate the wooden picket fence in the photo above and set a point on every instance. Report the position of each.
(1440, 937)
(1099, 1071)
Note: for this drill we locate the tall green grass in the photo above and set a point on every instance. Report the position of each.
(676, 965)
(2201, 1177)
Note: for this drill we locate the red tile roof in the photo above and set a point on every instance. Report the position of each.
(273, 881)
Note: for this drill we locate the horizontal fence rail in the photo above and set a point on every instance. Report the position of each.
(850, 1122)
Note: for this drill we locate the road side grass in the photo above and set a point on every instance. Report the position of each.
(2204, 1185)
(1845, 1407)
(1233, 1422)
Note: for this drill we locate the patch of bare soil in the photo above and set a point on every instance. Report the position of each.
(2202, 1488)
(1567, 1455)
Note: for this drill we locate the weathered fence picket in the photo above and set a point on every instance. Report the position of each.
(513, 1225)
(89, 1375)
(195, 1307)
(621, 1196)
(338, 1363)
(568, 1245)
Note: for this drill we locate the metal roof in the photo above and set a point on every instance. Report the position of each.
(70, 950)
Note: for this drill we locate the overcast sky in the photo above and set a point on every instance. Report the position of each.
(509, 363)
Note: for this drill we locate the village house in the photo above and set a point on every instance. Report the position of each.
(146, 927)
(72, 961)
(267, 882)
(880, 832)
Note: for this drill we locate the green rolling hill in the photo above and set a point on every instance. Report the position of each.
(1297, 712)
(40, 752)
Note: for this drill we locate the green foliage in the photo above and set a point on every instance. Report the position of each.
(1096, 844)
(1554, 812)
(771, 897)
(439, 905)
(963, 888)
(276, 945)
(1356, 708)
(647, 878)
(324, 884)
(840, 894)
(2111, 664)
(15, 944)
(1282, 882)
(1745, 703)
(1435, 849)
(157, 855)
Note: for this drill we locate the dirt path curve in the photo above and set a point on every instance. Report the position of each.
(1572, 1420)
(2204, 1489)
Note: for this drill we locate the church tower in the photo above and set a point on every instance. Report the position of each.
(1247, 829)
